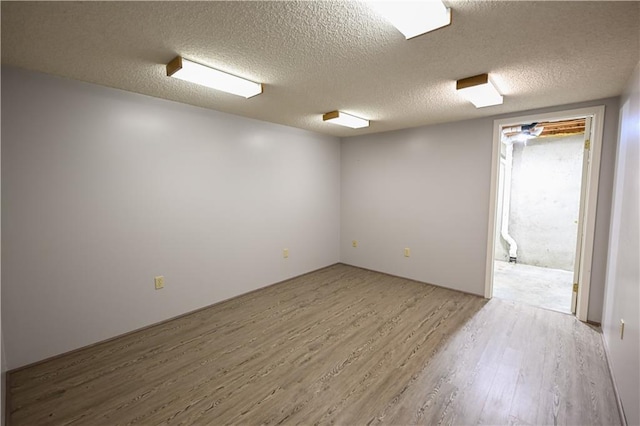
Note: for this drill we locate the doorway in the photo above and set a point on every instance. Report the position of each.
(542, 211)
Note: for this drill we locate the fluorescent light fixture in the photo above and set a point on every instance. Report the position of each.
(413, 18)
(187, 70)
(479, 90)
(347, 120)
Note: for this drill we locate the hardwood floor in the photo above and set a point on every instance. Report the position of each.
(341, 345)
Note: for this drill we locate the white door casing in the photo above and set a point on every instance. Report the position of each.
(586, 159)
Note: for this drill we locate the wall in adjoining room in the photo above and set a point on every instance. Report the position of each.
(545, 201)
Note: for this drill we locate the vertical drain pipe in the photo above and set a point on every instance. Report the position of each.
(506, 201)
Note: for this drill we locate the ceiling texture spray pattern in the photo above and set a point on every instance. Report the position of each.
(318, 56)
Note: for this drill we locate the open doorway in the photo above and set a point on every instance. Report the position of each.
(545, 175)
(539, 191)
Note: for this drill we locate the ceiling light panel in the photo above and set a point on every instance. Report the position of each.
(479, 90)
(413, 18)
(347, 120)
(187, 70)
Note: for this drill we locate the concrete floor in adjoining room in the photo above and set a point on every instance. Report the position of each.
(543, 287)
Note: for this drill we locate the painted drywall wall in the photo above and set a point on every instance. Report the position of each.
(427, 189)
(3, 386)
(422, 189)
(545, 201)
(103, 189)
(3, 363)
(623, 273)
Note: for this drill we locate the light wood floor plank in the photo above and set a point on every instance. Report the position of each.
(339, 346)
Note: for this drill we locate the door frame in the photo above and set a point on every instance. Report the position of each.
(584, 179)
(591, 195)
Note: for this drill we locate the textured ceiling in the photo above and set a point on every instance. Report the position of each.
(318, 56)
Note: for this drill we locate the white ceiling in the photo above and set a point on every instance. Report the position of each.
(317, 56)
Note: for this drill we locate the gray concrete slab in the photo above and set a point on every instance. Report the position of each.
(543, 287)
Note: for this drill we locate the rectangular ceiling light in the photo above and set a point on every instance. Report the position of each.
(413, 18)
(479, 90)
(187, 70)
(347, 120)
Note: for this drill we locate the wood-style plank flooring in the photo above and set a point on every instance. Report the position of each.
(341, 345)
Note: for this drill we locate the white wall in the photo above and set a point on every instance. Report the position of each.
(427, 188)
(3, 361)
(103, 189)
(421, 188)
(623, 274)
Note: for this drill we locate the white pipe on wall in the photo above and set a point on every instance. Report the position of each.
(506, 202)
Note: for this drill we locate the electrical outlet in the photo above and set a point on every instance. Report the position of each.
(285, 253)
(159, 281)
(621, 329)
(407, 252)
(354, 243)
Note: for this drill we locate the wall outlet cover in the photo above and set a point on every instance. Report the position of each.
(159, 282)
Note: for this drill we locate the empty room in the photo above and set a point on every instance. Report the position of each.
(320, 212)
